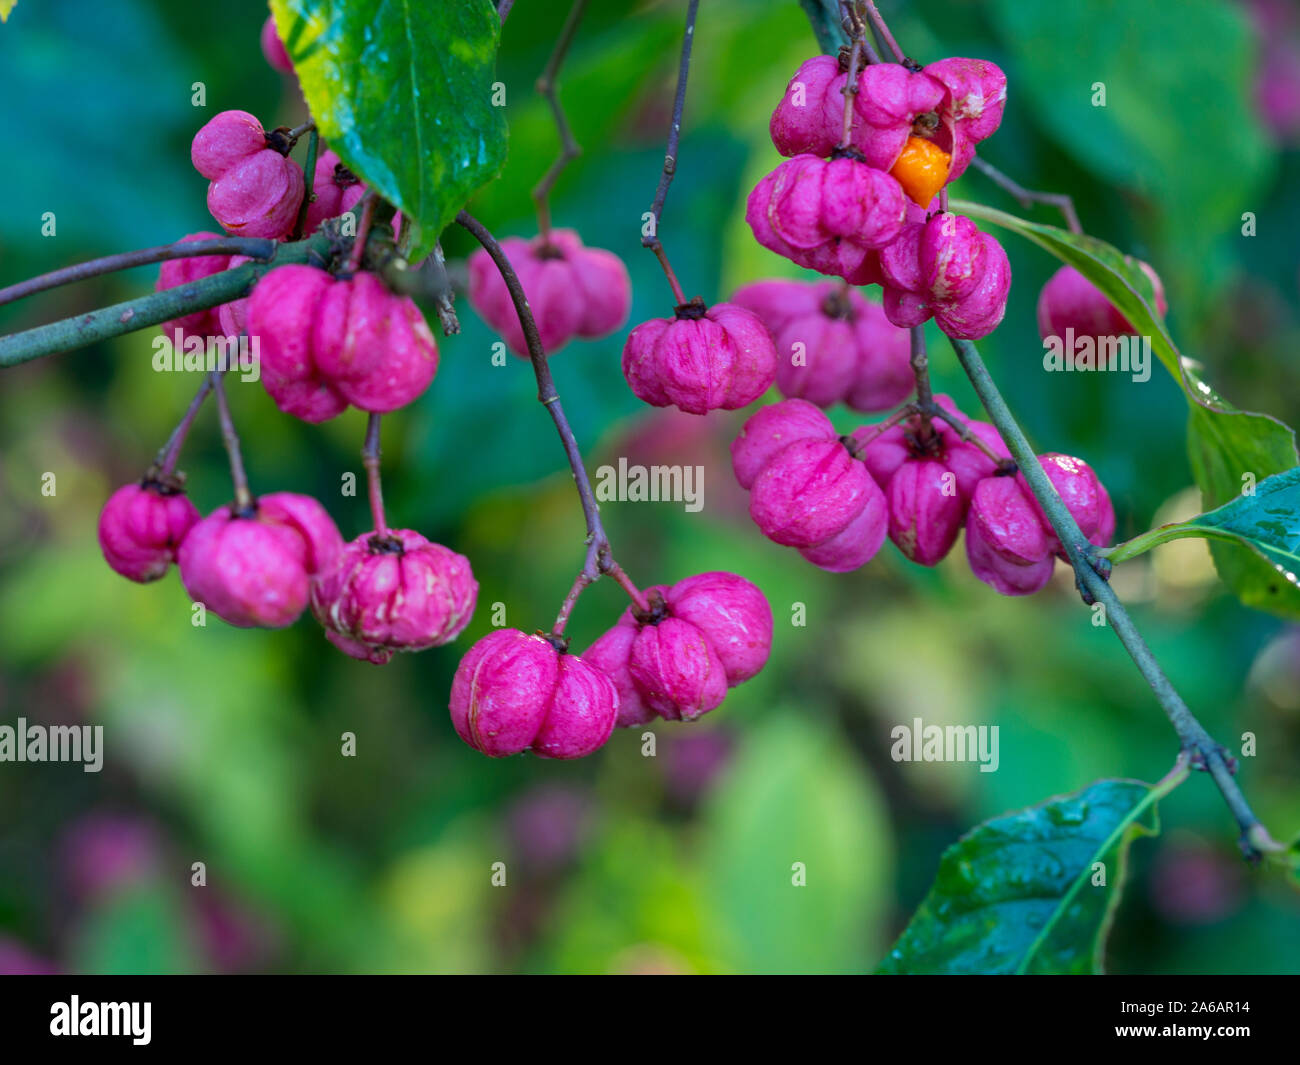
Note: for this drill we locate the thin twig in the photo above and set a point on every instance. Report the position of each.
(878, 21)
(1090, 574)
(599, 559)
(243, 497)
(651, 239)
(67, 334)
(850, 91)
(858, 445)
(503, 9)
(370, 456)
(964, 431)
(548, 87)
(920, 363)
(856, 30)
(1028, 197)
(252, 247)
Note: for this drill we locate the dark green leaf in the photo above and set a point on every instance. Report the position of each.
(1018, 894)
(1195, 56)
(402, 91)
(1267, 520)
(1224, 443)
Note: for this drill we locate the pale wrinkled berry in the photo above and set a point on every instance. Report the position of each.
(398, 592)
(703, 359)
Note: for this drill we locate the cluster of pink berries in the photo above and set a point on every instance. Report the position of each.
(264, 564)
(323, 342)
(326, 342)
(515, 692)
(919, 482)
(865, 210)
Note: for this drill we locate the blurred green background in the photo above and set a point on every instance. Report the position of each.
(223, 746)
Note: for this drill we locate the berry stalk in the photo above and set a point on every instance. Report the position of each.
(167, 458)
(243, 497)
(651, 240)
(599, 559)
(370, 455)
(1089, 573)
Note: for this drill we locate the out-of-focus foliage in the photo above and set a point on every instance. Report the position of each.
(225, 744)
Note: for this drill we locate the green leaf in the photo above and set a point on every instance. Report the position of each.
(1195, 57)
(1224, 443)
(1018, 895)
(1267, 521)
(794, 802)
(402, 91)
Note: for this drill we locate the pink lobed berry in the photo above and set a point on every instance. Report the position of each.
(703, 635)
(946, 268)
(809, 491)
(398, 592)
(254, 191)
(1005, 542)
(255, 567)
(702, 359)
(572, 290)
(827, 215)
(327, 343)
(513, 692)
(141, 528)
(928, 477)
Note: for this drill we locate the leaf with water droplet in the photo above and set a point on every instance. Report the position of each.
(402, 91)
(1016, 894)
